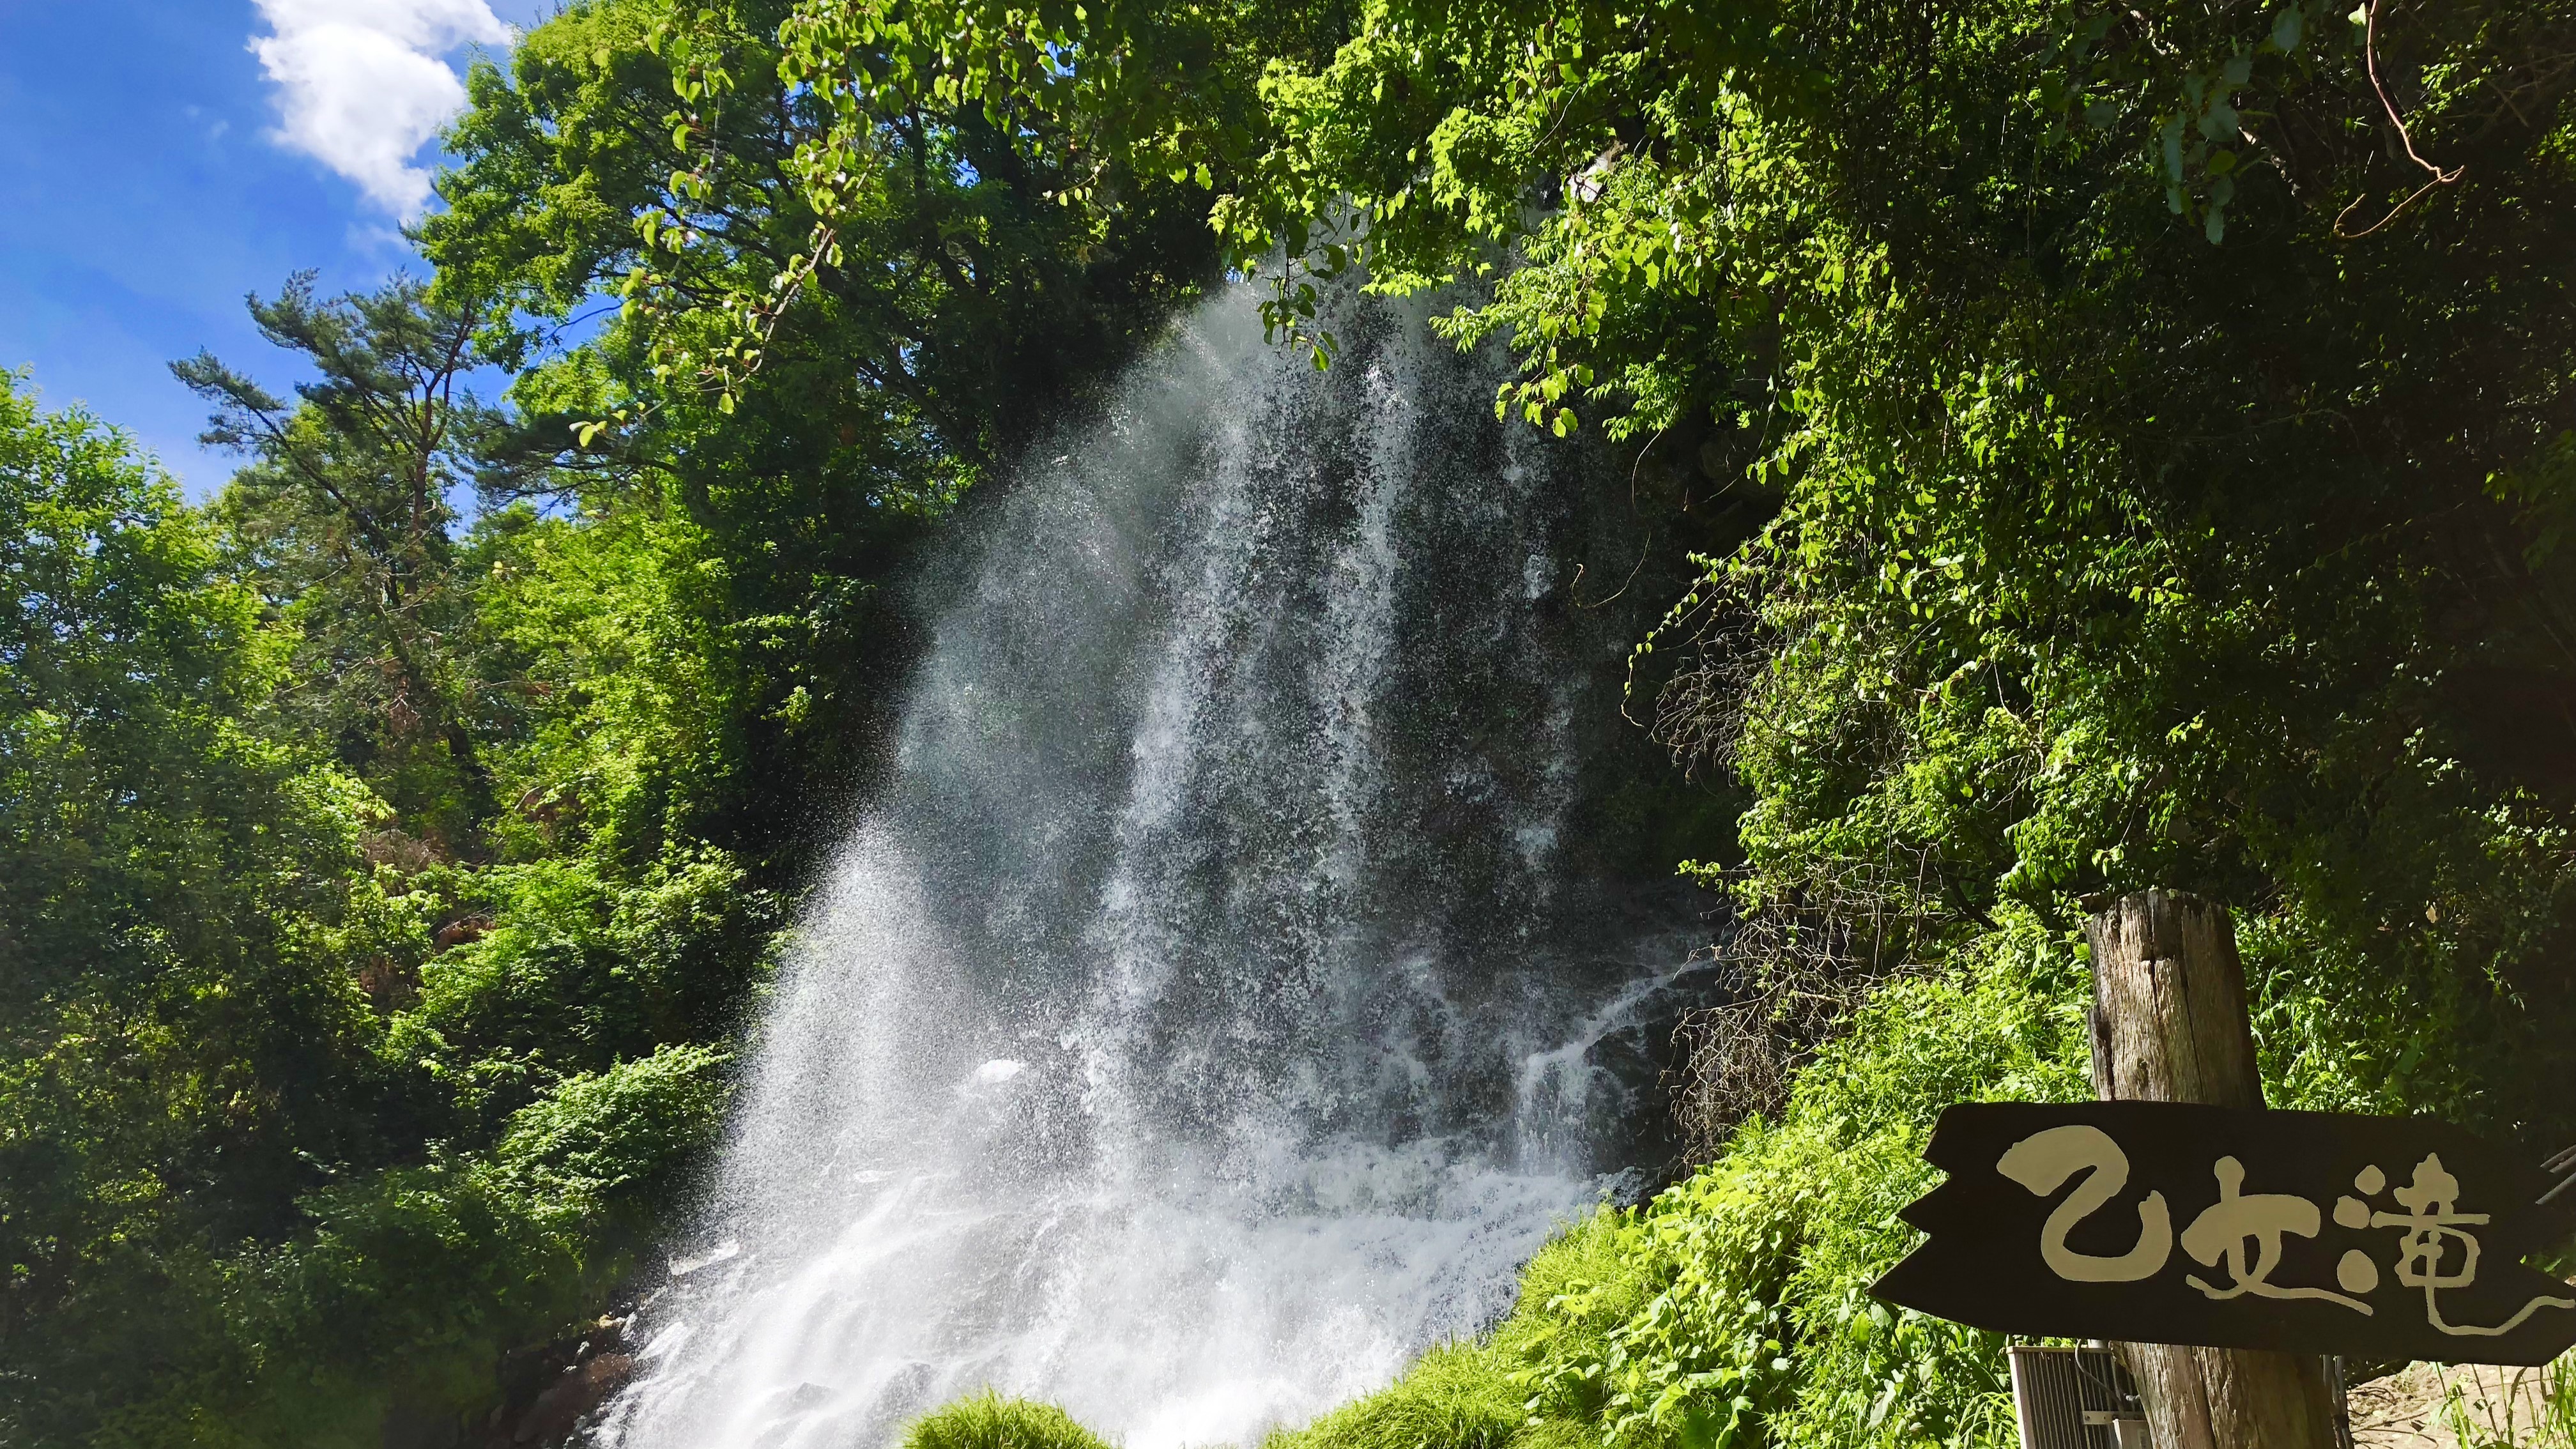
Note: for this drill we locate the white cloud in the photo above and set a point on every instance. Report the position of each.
(363, 84)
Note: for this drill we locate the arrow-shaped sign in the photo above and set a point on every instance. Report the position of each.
(2309, 1232)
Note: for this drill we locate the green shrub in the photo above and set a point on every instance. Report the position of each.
(1457, 1396)
(579, 970)
(629, 1137)
(406, 1283)
(989, 1421)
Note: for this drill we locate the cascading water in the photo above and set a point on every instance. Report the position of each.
(1230, 990)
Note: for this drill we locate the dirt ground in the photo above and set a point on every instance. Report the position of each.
(2501, 1406)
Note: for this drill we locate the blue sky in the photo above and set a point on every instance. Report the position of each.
(155, 169)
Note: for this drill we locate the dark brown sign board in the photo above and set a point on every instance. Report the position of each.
(2308, 1232)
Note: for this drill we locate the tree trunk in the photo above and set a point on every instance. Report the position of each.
(2170, 1025)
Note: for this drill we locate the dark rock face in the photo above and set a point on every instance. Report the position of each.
(580, 1389)
(546, 1390)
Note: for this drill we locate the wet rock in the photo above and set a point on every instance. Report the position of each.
(462, 931)
(583, 1387)
(548, 1389)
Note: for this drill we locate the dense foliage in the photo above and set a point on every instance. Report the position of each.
(2128, 448)
(321, 1086)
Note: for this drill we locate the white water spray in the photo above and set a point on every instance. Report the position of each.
(1210, 1015)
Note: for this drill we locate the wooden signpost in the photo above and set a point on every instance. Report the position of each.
(2389, 1238)
(2225, 1245)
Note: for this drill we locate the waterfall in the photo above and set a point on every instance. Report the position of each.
(1236, 982)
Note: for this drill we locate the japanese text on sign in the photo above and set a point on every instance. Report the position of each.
(2062, 1220)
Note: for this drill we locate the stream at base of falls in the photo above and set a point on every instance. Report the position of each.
(1259, 949)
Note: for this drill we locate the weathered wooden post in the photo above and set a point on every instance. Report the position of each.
(2170, 1025)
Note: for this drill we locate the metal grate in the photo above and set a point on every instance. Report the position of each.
(2075, 1398)
(2083, 1398)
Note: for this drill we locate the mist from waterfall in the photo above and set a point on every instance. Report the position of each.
(1233, 985)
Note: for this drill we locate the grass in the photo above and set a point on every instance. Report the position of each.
(989, 1421)
(1453, 1397)
(2528, 1409)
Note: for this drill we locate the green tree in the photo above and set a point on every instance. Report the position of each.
(181, 1038)
(248, 1194)
(349, 508)
(964, 310)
